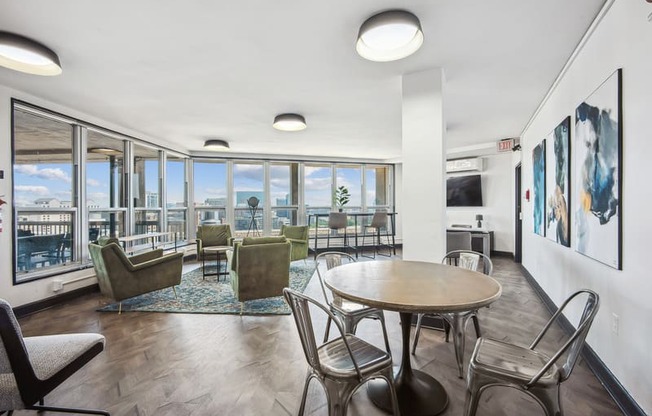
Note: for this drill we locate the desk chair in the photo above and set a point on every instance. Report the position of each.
(336, 222)
(350, 313)
(31, 367)
(498, 363)
(458, 240)
(341, 365)
(379, 222)
(457, 320)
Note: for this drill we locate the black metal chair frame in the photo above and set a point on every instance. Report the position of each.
(32, 389)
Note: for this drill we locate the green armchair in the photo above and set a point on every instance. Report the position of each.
(259, 267)
(297, 235)
(212, 235)
(121, 277)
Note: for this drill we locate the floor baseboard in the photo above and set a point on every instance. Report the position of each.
(39, 305)
(617, 391)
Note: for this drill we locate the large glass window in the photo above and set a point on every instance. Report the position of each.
(105, 189)
(377, 189)
(43, 194)
(210, 192)
(351, 179)
(145, 191)
(284, 194)
(248, 198)
(176, 196)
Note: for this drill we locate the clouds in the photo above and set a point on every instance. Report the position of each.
(93, 182)
(53, 174)
(33, 189)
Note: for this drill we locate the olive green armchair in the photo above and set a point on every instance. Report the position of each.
(297, 235)
(259, 267)
(121, 277)
(212, 235)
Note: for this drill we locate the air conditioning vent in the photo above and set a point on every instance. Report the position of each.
(473, 164)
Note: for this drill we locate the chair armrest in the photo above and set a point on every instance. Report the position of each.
(161, 260)
(199, 245)
(150, 255)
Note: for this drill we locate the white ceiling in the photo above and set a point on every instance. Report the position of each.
(183, 71)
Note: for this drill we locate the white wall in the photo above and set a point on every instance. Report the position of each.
(623, 39)
(497, 200)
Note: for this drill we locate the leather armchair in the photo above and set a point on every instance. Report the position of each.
(212, 235)
(121, 277)
(297, 235)
(259, 267)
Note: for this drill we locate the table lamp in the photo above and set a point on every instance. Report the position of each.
(478, 218)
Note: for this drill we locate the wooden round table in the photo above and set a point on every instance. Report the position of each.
(411, 287)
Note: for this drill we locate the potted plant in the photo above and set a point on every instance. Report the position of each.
(341, 197)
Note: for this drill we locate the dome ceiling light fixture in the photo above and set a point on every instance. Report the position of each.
(216, 144)
(289, 122)
(26, 55)
(389, 36)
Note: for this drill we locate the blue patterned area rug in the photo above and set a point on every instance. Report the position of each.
(209, 296)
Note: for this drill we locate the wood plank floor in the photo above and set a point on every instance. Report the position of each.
(192, 364)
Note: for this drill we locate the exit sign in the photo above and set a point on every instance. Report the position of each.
(505, 145)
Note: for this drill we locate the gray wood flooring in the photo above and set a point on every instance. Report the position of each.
(192, 364)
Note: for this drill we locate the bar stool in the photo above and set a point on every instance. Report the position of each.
(378, 222)
(336, 222)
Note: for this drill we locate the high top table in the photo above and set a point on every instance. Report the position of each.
(410, 287)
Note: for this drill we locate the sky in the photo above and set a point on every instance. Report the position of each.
(54, 180)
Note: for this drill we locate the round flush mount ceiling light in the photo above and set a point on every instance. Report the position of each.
(26, 55)
(289, 122)
(389, 36)
(216, 144)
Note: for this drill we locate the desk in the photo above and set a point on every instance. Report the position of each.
(486, 239)
(410, 287)
(355, 216)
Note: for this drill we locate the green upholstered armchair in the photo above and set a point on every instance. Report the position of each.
(259, 267)
(297, 235)
(121, 277)
(212, 235)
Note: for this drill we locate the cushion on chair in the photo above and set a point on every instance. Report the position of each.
(50, 353)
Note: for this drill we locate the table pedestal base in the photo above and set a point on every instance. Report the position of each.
(420, 395)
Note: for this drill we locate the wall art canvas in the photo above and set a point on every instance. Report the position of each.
(539, 188)
(557, 184)
(598, 173)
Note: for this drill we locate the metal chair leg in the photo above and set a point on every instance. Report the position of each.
(68, 410)
(328, 329)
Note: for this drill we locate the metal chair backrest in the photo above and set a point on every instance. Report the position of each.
(300, 305)
(458, 240)
(469, 260)
(379, 220)
(332, 259)
(575, 343)
(337, 220)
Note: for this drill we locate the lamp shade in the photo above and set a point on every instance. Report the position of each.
(289, 122)
(216, 144)
(26, 55)
(478, 217)
(389, 36)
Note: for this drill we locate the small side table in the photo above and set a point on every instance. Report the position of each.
(217, 251)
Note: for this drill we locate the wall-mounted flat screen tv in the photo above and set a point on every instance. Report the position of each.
(464, 191)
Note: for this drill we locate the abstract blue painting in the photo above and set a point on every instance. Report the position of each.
(539, 179)
(557, 184)
(598, 144)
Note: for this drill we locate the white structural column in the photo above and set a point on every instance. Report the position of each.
(423, 204)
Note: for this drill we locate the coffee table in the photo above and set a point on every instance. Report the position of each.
(410, 287)
(217, 251)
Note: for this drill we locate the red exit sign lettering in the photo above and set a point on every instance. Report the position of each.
(505, 145)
